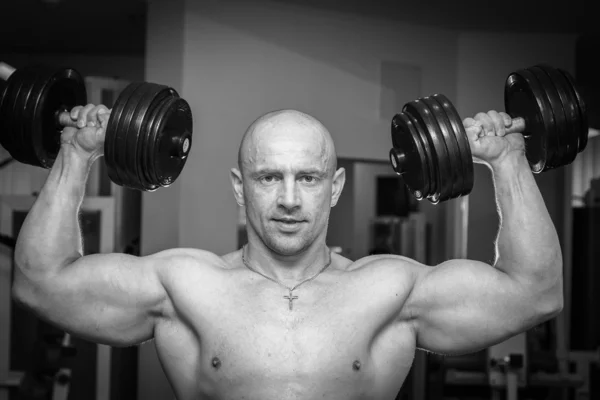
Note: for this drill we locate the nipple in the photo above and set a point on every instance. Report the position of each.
(356, 365)
(216, 363)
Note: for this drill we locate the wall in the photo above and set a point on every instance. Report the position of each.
(239, 61)
(341, 220)
(244, 60)
(485, 60)
(109, 66)
(161, 208)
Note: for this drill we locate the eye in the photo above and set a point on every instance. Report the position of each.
(309, 179)
(267, 179)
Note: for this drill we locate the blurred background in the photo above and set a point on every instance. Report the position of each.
(352, 64)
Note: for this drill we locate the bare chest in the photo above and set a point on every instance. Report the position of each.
(335, 338)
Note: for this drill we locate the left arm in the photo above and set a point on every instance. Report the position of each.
(462, 306)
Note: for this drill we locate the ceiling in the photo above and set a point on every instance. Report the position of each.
(118, 26)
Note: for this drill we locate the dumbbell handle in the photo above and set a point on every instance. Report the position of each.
(63, 119)
(517, 126)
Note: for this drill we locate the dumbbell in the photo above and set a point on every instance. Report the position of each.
(431, 149)
(148, 137)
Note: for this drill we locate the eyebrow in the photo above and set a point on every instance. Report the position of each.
(270, 171)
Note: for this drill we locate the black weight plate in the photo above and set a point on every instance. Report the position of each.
(176, 123)
(147, 166)
(584, 122)
(153, 129)
(63, 90)
(457, 169)
(523, 98)
(570, 108)
(450, 172)
(111, 140)
(414, 164)
(44, 145)
(421, 113)
(5, 137)
(549, 121)
(30, 125)
(463, 142)
(8, 134)
(22, 142)
(123, 152)
(429, 155)
(560, 128)
(139, 122)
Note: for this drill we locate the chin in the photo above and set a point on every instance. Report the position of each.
(287, 246)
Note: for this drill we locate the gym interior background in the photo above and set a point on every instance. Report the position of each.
(352, 64)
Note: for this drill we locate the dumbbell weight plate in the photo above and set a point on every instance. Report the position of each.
(172, 140)
(451, 144)
(521, 99)
(16, 116)
(55, 90)
(462, 140)
(112, 142)
(570, 108)
(429, 155)
(584, 132)
(128, 138)
(147, 107)
(146, 165)
(8, 122)
(552, 98)
(139, 103)
(418, 110)
(31, 143)
(550, 131)
(414, 167)
(151, 146)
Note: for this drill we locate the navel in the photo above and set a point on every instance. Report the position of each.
(356, 365)
(216, 363)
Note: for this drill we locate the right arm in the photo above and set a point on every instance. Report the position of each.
(108, 298)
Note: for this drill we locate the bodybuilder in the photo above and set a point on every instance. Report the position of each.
(283, 317)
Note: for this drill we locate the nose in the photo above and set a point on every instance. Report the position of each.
(289, 196)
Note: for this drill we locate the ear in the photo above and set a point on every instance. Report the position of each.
(339, 178)
(238, 185)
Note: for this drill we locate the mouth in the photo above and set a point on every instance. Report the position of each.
(288, 221)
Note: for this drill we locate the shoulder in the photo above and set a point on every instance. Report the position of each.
(389, 269)
(189, 262)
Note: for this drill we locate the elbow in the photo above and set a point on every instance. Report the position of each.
(23, 293)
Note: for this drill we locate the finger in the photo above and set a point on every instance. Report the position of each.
(92, 116)
(498, 121)
(486, 123)
(75, 112)
(103, 118)
(472, 128)
(82, 117)
(507, 119)
(96, 112)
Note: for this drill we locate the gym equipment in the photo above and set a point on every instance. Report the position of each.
(431, 150)
(147, 141)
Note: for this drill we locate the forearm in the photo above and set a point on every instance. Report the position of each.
(528, 248)
(50, 237)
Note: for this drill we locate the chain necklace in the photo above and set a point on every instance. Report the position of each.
(290, 298)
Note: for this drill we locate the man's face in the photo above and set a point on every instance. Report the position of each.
(288, 177)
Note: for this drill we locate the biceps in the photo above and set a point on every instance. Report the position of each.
(108, 298)
(465, 306)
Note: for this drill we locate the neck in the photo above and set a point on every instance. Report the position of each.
(287, 269)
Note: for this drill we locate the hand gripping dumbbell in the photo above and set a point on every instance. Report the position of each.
(431, 149)
(147, 140)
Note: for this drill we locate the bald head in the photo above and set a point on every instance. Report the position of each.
(291, 126)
